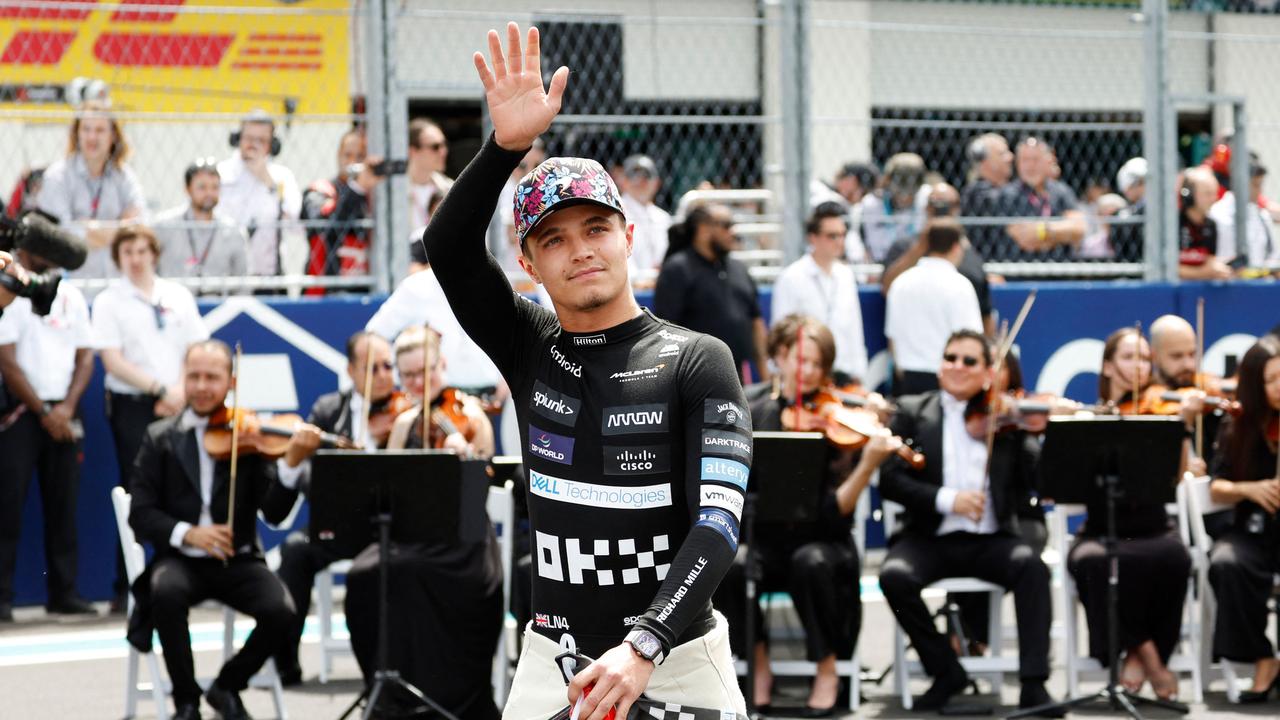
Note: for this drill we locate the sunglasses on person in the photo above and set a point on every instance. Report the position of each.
(966, 360)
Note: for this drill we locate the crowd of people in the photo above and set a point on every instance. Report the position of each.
(635, 425)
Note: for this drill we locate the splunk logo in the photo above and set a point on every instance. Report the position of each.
(554, 405)
(643, 460)
(565, 363)
(599, 496)
(580, 561)
(553, 447)
(630, 419)
(725, 471)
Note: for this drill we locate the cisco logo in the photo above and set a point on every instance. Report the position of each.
(642, 460)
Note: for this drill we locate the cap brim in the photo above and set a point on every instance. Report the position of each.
(566, 203)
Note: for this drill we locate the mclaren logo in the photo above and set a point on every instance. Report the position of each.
(633, 375)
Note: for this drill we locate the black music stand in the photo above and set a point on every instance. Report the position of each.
(788, 475)
(409, 496)
(1096, 461)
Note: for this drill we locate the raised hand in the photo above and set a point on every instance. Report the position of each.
(519, 107)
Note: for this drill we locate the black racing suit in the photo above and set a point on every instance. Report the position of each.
(636, 440)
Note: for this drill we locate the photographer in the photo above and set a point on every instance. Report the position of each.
(339, 245)
(46, 361)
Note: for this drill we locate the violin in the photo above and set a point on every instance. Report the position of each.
(847, 428)
(265, 436)
(448, 418)
(1162, 400)
(1016, 411)
(383, 414)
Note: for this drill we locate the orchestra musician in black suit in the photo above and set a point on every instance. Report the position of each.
(180, 500)
(962, 520)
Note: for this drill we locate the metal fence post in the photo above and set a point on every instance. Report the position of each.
(1240, 179)
(1155, 124)
(796, 129)
(376, 46)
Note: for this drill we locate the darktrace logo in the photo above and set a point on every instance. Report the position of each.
(587, 340)
(632, 419)
(554, 405)
(633, 375)
(565, 363)
(643, 460)
(556, 448)
(725, 412)
(721, 442)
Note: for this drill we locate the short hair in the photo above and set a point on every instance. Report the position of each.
(1036, 141)
(120, 150)
(824, 211)
(868, 174)
(942, 234)
(200, 165)
(211, 345)
(414, 339)
(967, 334)
(353, 343)
(416, 126)
(782, 337)
(129, 233)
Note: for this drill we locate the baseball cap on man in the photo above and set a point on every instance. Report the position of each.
(558, 183)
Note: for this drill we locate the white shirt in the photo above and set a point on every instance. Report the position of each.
(191, 421)
(46, 346)
(245, 199)
(1264, 245)
(832, 298)
(649, 241)
(419, 300)
(881, 224)
(126, 319)
(925, 305)
(420, 199)
(964, 467)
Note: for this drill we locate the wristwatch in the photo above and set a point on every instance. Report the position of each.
(647, 645)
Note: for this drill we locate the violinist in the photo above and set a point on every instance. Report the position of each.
(457, 421)
(817, 564)
(962, 520)
(1154, 564)
(444, 599)
(343, 413)
(180, 505)
(1243, 562)
(1175, 360)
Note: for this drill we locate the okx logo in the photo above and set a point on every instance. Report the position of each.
(553, 447)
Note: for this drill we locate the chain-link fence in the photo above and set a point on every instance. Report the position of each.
(774, 104)
(170, 81)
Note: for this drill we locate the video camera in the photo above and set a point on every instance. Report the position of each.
(37, 234)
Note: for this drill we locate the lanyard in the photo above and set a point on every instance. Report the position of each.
(1041, 205)
(191, 242)
(97, 195)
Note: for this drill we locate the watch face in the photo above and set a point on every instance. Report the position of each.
(647, 644)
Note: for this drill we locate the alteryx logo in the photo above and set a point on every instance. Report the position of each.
(549, 445)
(726, 471)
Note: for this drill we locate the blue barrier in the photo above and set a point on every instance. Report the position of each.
(1059, 346)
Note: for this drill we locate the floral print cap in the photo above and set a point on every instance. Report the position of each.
(558, 183)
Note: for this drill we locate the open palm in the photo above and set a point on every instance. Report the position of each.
(519, 107)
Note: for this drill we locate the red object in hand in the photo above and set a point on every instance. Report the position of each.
(587, 691)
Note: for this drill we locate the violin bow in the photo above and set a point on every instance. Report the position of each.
(1004, 345)
(1137, 373)
(799, 364)
(367, 405)
(1200, 373)
(426, 389)
(235, 448)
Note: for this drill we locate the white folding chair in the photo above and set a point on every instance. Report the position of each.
(1186, 662)
(991, 667)
(159, 687)
(1197, 501)
(502, 514)
(330, 645)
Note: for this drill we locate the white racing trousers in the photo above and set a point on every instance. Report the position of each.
(698, 673)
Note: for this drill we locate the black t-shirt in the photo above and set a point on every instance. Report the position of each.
(1197, 242)
(636, 440)
(717, 298)
(1017, 199)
